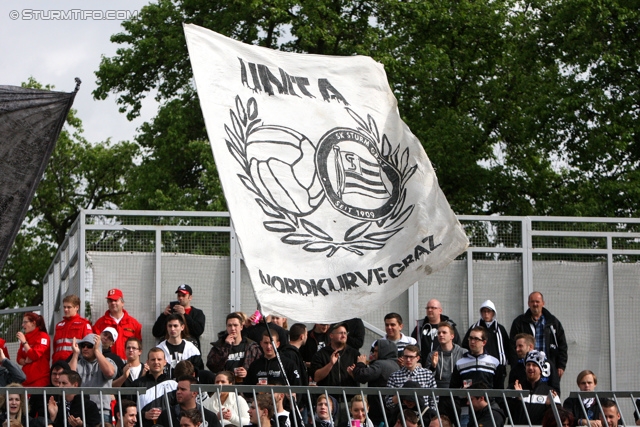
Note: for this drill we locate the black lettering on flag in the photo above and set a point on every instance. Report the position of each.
(325, 87)
(381, 277)
(367, 279)
(318, 287)
(267, 77)
(431, 243)
(291, 286)
(254, 76)
(395, 270)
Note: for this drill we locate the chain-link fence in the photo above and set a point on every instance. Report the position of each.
(587, 269)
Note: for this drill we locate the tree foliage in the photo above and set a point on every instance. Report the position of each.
(80, 175)
(524, 107)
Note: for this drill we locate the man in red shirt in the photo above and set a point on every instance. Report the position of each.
(70, 327)
(118, 318)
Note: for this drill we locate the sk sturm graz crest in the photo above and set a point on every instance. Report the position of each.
(356, 169)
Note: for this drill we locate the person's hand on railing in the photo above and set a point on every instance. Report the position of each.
(554, 393)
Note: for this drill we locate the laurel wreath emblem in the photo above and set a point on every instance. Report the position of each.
(365, 235)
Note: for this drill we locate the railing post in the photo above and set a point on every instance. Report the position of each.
(612, 315)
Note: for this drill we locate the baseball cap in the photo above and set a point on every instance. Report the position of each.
(184, 289)
(90, 338)
(113, 332)
(114, 294)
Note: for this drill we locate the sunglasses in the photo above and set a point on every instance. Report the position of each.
(86, 345)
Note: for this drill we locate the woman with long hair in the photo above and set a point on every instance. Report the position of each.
(359, 408)
(35, 350)
(17, 406)
(232, 403)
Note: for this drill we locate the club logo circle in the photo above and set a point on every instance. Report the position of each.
(357, 180)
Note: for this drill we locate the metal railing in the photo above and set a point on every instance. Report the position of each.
(310, 394)
(520, 244)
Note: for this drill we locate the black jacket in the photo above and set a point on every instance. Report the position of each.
(554, 338)
(483, 416)
(270, 369)
(211, 418)
(498, 344)
(535, 403)
(338, 375)
(427, 336)
(572, 404)
(195, 322)
(314, 344)
(357, 332)
(254, 332)
(376, 374)
(482, 368)
(519, 372)
(92, 413)
(292, 353)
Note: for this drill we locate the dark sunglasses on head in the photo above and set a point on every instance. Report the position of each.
(86, 345)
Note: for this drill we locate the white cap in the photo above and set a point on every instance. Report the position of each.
(490, 305)
(113, 332)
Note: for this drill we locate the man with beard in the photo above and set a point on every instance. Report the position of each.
(329, 366)
(524, 344)
(537, 402)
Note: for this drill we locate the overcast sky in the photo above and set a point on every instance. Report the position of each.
(56, 51)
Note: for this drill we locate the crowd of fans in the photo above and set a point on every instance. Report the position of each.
(257, 351)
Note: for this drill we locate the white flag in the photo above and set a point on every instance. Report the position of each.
(335, 203)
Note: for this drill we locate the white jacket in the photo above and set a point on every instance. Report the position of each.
(235, 404)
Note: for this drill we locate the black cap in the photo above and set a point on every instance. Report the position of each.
(184, 289)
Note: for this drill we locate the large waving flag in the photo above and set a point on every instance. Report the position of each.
(30, 122)
(335, 203)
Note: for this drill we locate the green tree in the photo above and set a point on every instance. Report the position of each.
(178, 171)
(525, 108)
(80, 175)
